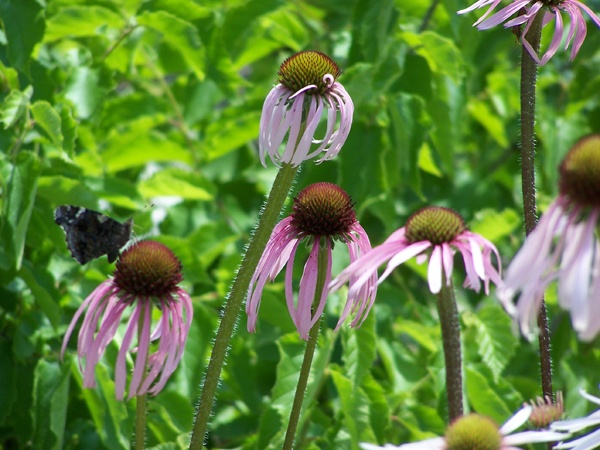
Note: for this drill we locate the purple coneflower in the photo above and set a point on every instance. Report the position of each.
(146, 275)
(476, 431)
(307, 86)
(322, 214)
(435, 233)
(563, 246)
(550, 9)
(587, 442)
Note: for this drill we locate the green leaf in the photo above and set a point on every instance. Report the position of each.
(41, 294)
(177, 182)
(111, 417)
(85, 90)
(485, 397)
(14, 106)
(354, 409)
(79, 20)
(495, 341)
(48, 119)
(359, 350)
(481, 112)
(68, 129)
(24, 25)
(136, 143)
(180, 34)
(17, 205)
(495, 225)
(8, 380)
(441, 53)
(50, 394)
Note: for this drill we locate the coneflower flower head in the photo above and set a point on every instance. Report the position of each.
(545, 411)
(588, 441)
(435, 233)
(527, 11)
(563, 246)
(322, 213)
(307, 86)
(477, 432)
(146, 275)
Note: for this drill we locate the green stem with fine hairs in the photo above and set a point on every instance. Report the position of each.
(141, 400)
(281, 187)
(528, 97)
(309, 353)
(448, 314)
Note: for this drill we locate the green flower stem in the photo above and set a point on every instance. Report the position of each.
(140, 421)
(141, 400)
(448, 313)
(309, 353)
(528, 97)
(281, 187)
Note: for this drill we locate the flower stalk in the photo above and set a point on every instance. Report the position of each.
(528, 98)
(448, 314)
(141, 400)
(309, 353)
(281, 187)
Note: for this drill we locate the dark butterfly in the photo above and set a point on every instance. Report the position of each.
(91, 234)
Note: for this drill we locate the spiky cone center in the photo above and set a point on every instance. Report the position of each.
(435, 224)
(473, 432)
(323, 209)
(545, 411)
(580, 173)
(308, 68)
(148, 268)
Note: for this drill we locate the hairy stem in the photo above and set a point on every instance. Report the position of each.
(309, 353)
(528, 98)
(281, 187)
(448, 313)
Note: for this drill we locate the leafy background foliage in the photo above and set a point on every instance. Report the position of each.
(116, 105)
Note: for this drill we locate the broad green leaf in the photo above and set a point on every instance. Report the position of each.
(180, 34)
(24, 25)
(179, 183)
(495, 225)
(68, 129)
(18, 202)
(487, 398)
(378, 406)
(14, 106)
(80, 20)
(280, 29)
(136, 144)
(42, 297)
(184, 9)
(359, 350)
(372, 26)
(354, 408)
(85, 90)
(8, 380)
(495, 339)
(481, 112)
(50, 394)
(229, 133)
(441, 53)
(111, 416)
(48, 119)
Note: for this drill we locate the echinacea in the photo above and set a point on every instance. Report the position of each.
(146, 279)
(323, 214)
(524, 12)
(307, 90)
(476, 431)
(588, 441)
(433, 233)
(563, 247)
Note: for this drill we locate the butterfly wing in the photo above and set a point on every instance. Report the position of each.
(90, 234)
